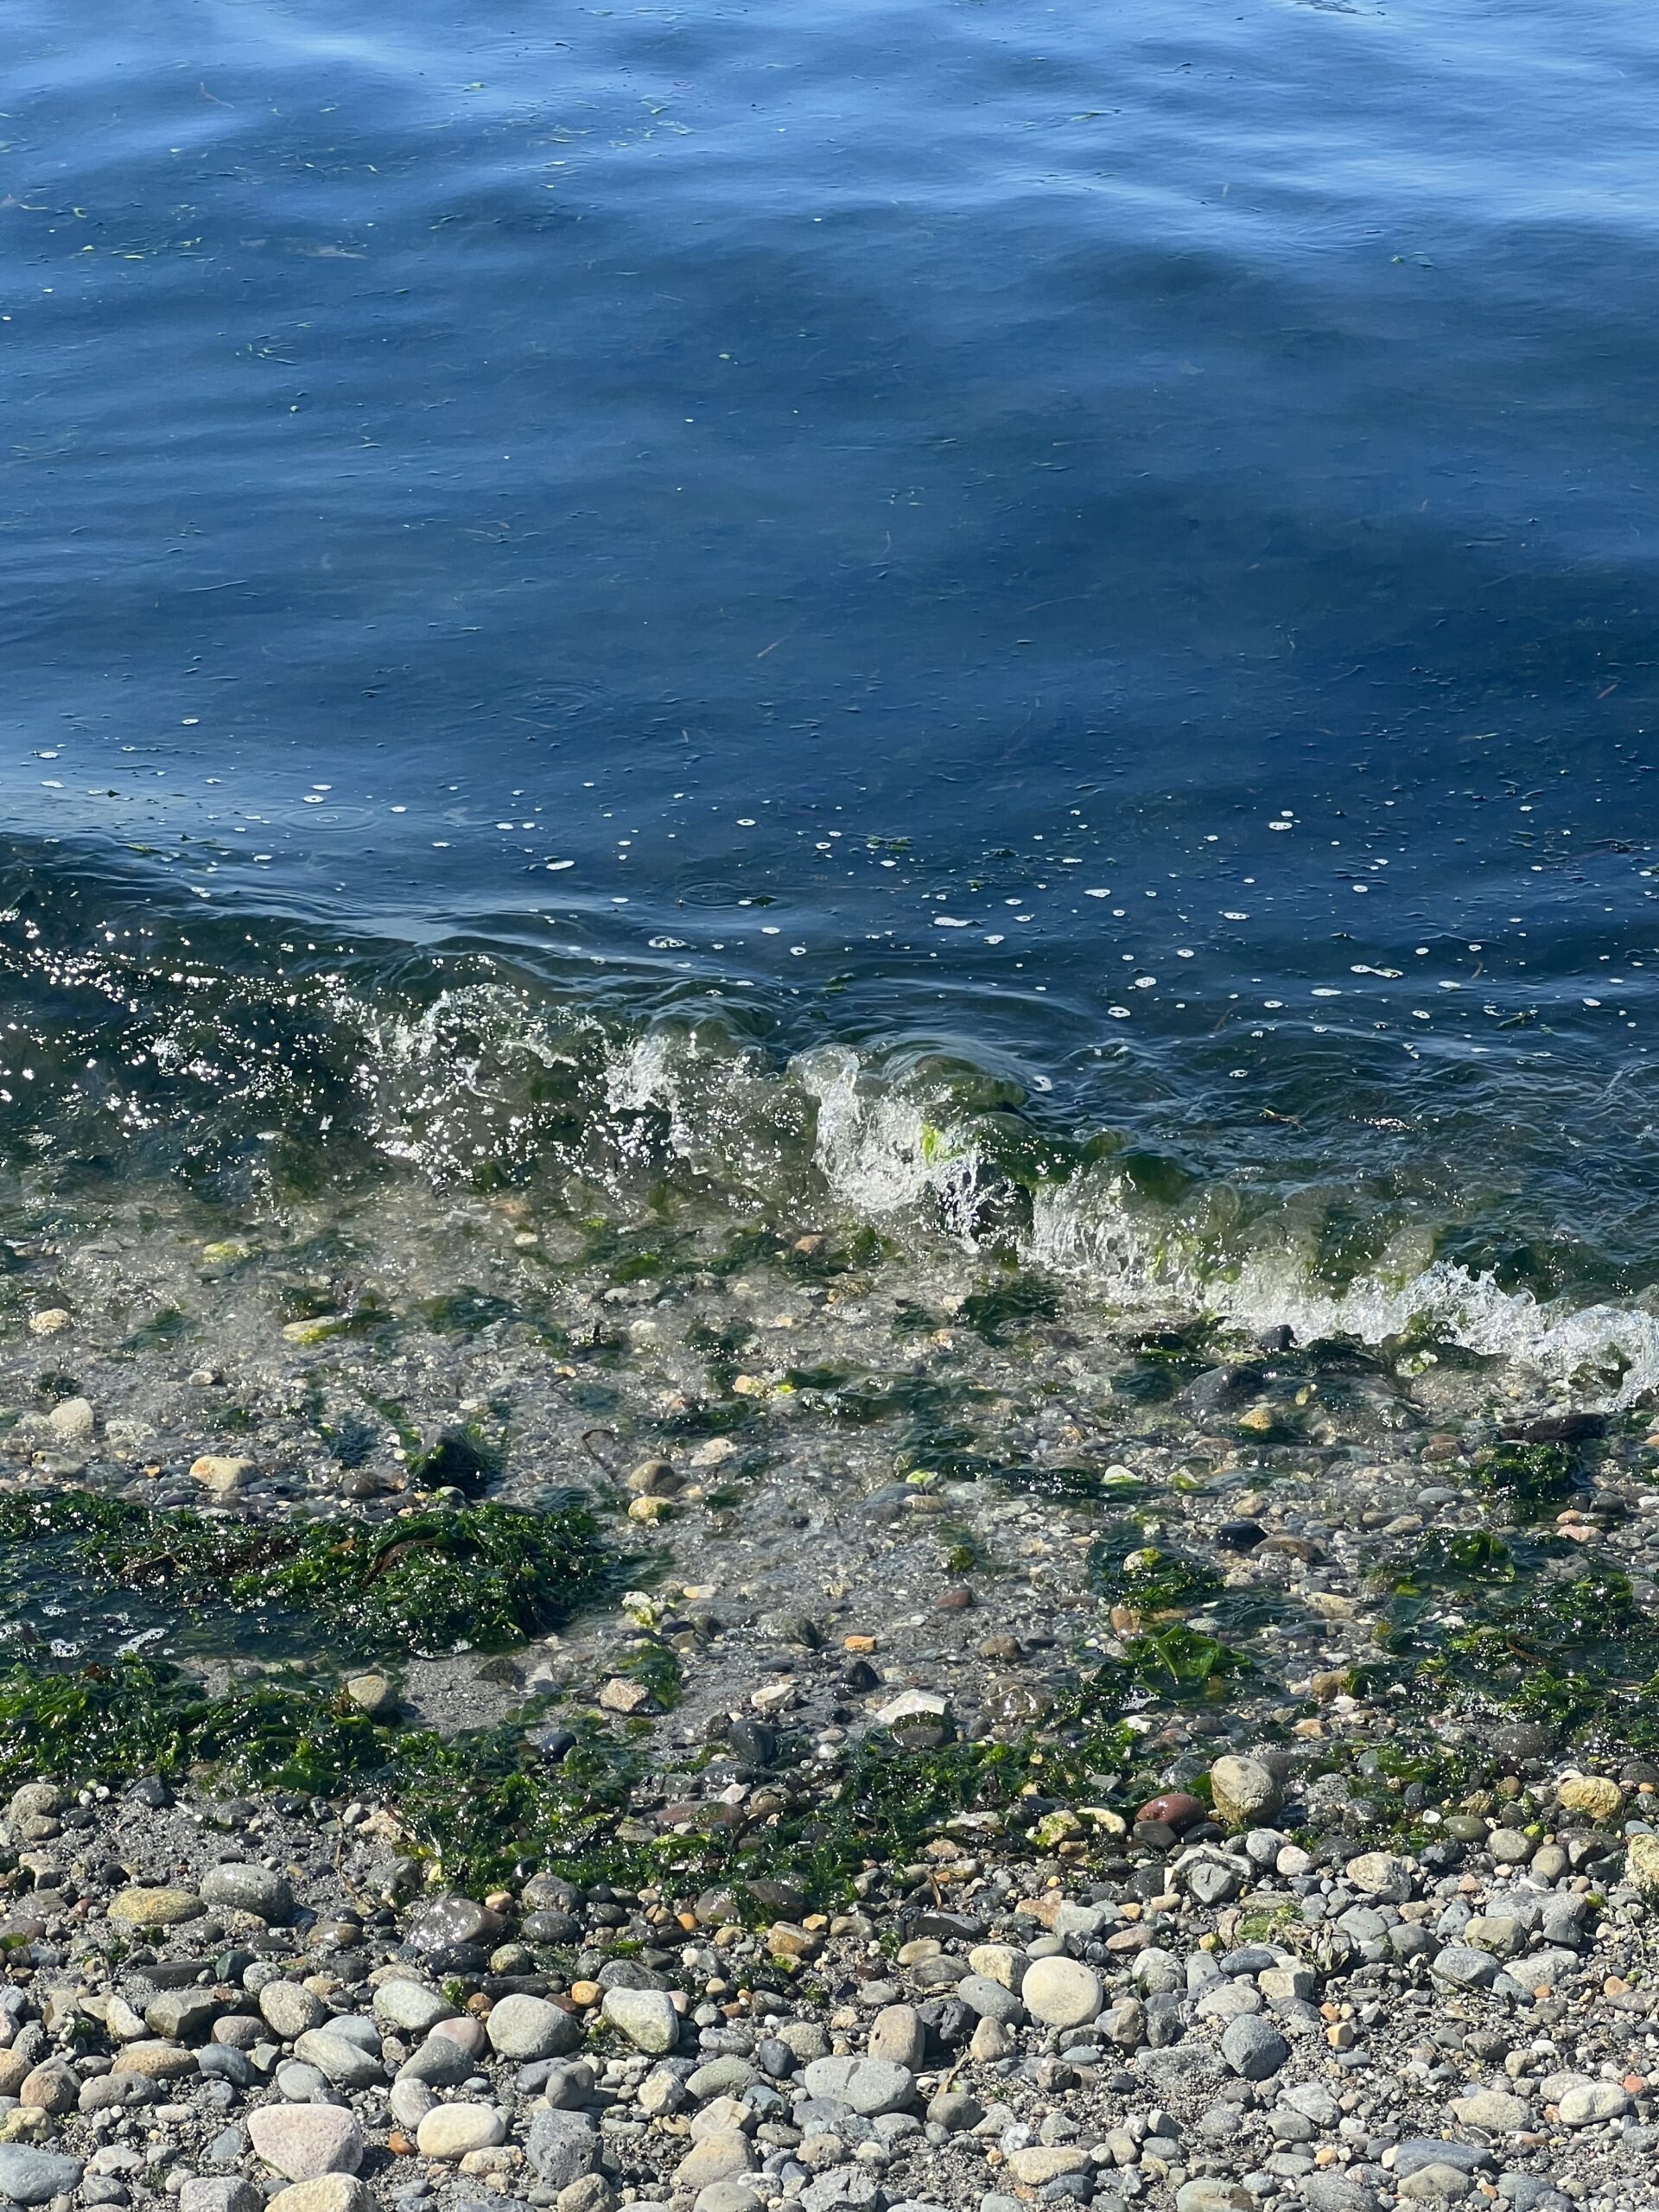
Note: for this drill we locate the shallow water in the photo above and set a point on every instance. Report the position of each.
(981, 617)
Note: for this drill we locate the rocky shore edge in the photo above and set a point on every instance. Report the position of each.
(1177, 2004)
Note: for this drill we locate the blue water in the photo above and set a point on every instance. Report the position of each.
(1101, 559)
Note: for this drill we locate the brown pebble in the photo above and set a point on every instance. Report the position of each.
(1176, 1810)
(956, 1601)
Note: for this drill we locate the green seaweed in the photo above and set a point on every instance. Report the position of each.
(1150, 1578)
(1536, 1477)
(487, 1576)
(1178, 1661)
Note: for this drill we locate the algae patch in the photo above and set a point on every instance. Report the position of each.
(487, 1577)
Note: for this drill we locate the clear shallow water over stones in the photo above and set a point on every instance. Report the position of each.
(1043, 625)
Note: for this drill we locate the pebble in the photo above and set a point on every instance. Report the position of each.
(158, 2061)
(1255, 2049)
(1589, 2103)
(157, 1907)
(1494, 2110)
(32, 2177)
(561, 2146)
(220, 2193)
(870, 2086)
(327, 2193)
(1061, 1992)
(373, 1693)
(341, 2058)
(302, 2141)
(646, 2016)
(404, 2003)
(235, 1886)
(291, 2012)
(715, 2157)
(898, 2033)
(1244, 1793)
(524, 2027)
(1041, 2163)
(1596, 1795)
(451, 2131)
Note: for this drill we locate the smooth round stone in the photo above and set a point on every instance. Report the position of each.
(32, 2177)
(1044, 2162)
(727, 2075)
(156, 2060)
(372, 1694)
(451, 2131)
(1495, 2110)
(220, 2193)
(524, 2027)
(442, 1921)
(1174, 1809)
(1244, 1793)
(646, 2016)
(722, 2197)
(234, 1886)
(954, 2111)
(1587, 2104)
(52, 2087)
(416, 2007)
(288, 2011)
(1465, 1827)
(304, 2141)
(340, 2057)
(304, 2085)
(160, 1907)
(410, 2102)
(1435, 2184)
(1254, 2048)
(327, 2193)
(870, 2086)
(1596, 1797)
(1061, 1992)
(108, 2092)
(990, 1999)
(716, 2157)
(897, 2033)
(439, 2061)
(1208, 2194)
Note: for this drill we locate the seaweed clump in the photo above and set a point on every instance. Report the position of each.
(487, 1576)
(1151, 1579)
(1537, 1478)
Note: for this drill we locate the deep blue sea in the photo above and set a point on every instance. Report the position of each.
(1039, 620)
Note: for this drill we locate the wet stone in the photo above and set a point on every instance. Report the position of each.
(235, 1886)
(443, 1923)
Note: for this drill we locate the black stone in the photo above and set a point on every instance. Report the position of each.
(752, 1740)
(1240, 1535)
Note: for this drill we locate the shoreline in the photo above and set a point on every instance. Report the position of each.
(840, 1636)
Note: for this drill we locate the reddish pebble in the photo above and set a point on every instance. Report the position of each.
(956, 1601)
(1176, 1810)
(468, 2033)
